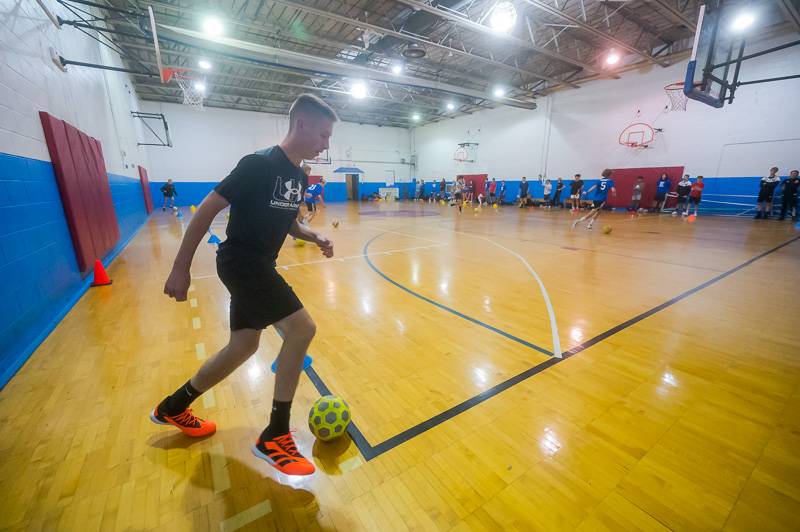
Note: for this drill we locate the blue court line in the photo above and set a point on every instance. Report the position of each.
(448, 309)
(369, 451)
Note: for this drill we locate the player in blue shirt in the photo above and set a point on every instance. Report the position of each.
(313, 196)
(663, 187)
(600, 197)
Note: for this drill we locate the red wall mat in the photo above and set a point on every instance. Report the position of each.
(71, 199)
(478, 179)
(85, 183)
(148, 199)
(111, 228)
(85, 193)
(624, 179)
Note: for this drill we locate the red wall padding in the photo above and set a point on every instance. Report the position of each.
(624, 179)
(478, 179)
(148, 199)
(85, 193)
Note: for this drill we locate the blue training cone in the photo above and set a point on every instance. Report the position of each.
(306, 363)
(214, 239)
(179, 215)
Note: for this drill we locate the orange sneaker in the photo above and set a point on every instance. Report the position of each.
(281, 453)
(187, 422)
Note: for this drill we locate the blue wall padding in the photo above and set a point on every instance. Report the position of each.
(39, 277)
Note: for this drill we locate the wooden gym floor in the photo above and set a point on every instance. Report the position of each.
(675, 406)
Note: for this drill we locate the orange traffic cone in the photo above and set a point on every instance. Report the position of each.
(100, 275)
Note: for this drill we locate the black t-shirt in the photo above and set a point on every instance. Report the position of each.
(559, 187)
(683, 190)
(575, 187)
(169, 190)
(790, 186)
(265, 191)
(523, 188)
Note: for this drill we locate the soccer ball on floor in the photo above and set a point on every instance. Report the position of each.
(607, 229)
(329, 417)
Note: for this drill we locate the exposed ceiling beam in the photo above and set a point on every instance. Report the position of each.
(278, 108)
(464, 22)
(237, 63)
(414, 38)
(272, 96)
(313, 65)
(791, 12)
(674, 13)
(594, 31)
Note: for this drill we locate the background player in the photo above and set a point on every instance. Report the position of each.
(169, 194)
(313, 196)
(575, 192)
(600, 197)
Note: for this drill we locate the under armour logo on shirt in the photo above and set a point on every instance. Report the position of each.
(293, 189)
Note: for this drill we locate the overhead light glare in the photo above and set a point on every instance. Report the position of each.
(503, 17)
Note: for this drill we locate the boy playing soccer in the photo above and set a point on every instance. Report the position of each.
(264, 191)
(313, 195)
(600, 197)
(169, 195)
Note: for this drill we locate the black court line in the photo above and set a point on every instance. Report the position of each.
(369, 451)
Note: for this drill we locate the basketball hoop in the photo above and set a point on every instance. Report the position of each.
(193, 87)
(637, 135)
(677, 98)
(466, 152)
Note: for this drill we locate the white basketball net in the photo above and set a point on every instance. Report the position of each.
(677, 99)
(460, 155)
(191, 96)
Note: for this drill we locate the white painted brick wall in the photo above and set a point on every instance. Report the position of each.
(207, 144)
(97, 102)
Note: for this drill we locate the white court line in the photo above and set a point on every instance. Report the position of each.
(246, 517)
(341, 259)
(196, 323)
(193, 303)
(209, 400)
(219, 469)
(200, 351)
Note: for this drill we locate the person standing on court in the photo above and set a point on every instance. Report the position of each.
(264, 192)
(557, 193)
(663, 187)
(789, 203)
(766, 189)
(575, 191)
(523, 192)
(169, 194)
(548, 188)
(683, 190)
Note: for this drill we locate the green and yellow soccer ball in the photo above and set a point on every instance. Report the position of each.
(329, 417)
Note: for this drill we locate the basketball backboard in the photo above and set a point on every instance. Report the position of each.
(724, 28)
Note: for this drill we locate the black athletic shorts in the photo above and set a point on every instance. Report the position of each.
(599, 204)
(259, 295)
(765, 195)
(660, 197)
(694, 201)
(311, 206)
(458, 195)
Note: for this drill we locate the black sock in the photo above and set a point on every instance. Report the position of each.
(180, 400)
(278, 420)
